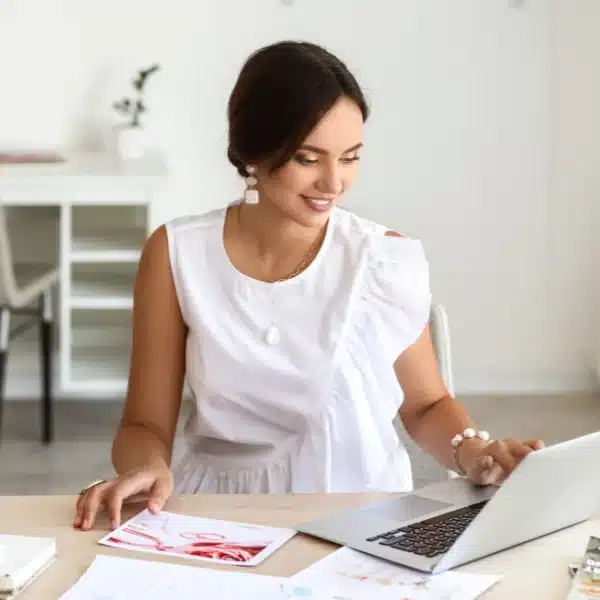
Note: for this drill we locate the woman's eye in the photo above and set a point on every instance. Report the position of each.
(304, 160)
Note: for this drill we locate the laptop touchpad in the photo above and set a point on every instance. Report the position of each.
(406, 508)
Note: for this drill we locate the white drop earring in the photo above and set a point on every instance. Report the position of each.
(250, 193)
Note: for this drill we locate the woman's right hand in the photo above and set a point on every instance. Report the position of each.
(153, 483)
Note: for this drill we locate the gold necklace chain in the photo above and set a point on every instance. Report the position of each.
(313, 250)
(305, 260)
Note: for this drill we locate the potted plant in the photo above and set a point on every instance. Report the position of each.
(130, 134)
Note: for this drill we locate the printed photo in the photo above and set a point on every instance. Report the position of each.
(199, 538)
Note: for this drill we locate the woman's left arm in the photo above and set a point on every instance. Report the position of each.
(432, 417)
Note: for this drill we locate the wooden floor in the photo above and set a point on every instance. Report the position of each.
(84, 431)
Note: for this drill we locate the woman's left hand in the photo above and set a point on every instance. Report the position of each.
(491, 464)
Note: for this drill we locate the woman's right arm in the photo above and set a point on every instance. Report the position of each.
(143, 445)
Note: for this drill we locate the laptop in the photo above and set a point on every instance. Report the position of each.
(454, 522)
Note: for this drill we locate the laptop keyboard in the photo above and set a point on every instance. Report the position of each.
(432, 536)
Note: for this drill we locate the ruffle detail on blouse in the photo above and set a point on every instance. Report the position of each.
(396, 293)
(391, 309)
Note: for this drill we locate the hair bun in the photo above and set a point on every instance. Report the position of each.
(236, 162)
(281, 93)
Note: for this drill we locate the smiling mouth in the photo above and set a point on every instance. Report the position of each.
(318, 203)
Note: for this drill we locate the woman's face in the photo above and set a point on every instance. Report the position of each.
(307, 187)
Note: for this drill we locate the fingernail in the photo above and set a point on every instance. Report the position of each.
(113, 524)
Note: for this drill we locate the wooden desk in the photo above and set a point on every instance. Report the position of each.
(537, 569)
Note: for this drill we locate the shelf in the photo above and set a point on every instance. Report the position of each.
(101, 245)
(100, 349)
(95, 372)
(102, 286)
(108, 233)
(106, 245)
(100, 328)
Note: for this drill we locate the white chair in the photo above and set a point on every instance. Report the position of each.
(26, 289)
(440, 336)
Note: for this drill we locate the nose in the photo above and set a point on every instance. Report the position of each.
(330, 182)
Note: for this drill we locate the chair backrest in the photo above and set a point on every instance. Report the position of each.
(440, 335)
(8, 283)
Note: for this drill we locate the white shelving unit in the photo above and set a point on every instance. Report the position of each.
(100, 286)
(105, 213)
(99, 350)
(100, 260)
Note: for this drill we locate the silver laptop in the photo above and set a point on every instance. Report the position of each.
(447, 524)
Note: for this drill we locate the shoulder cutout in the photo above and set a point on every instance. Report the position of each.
(393, 234)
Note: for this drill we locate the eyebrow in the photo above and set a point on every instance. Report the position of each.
(322, 151)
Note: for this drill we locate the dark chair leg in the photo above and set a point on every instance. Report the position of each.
(46, 342)
(3, 361)
(4, 338)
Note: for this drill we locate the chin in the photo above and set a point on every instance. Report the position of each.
(311, 220)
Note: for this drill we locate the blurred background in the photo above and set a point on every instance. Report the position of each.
(482, 143)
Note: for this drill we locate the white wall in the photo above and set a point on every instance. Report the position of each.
(480, 141)
(574, 255)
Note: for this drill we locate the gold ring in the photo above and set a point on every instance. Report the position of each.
(91, 485)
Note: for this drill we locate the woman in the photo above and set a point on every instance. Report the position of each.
(300, 327)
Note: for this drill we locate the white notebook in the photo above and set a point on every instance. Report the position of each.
(22, 559)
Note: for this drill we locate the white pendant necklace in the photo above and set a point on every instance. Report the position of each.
(272, 336)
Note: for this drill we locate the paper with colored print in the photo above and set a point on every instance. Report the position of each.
(115, 578)
(350, 575)
(198, 538)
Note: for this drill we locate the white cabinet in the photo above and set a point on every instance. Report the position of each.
(101, 247)
(105, 215)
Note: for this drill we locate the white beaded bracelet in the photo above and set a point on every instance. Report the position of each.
(467, 434)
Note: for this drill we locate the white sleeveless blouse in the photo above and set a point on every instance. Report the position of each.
(310, 407)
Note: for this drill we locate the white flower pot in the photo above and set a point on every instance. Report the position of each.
(130, 142)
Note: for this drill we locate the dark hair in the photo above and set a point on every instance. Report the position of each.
(282, 92)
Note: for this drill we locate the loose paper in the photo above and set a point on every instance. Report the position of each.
(198, 538)
(115, 578)
(350, 575)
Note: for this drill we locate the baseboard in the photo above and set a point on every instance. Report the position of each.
(26, 389)
(22, 390)
(527, 384)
